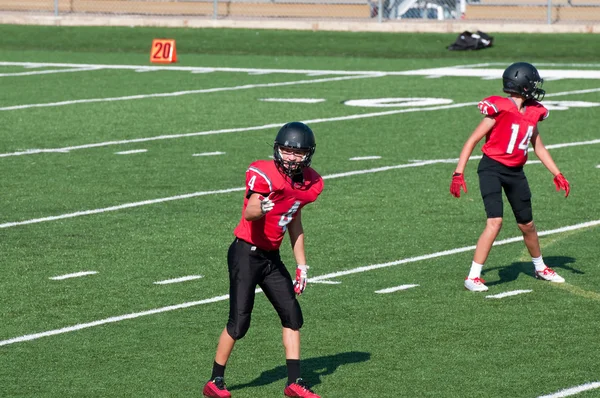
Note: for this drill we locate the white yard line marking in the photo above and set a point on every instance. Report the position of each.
(451, 252)
(507, 294)
(131, 151)
(395, 289)
(229, 190)
(263, 127)
(365, 158)
(119, 207)
(45, 72)
(295, 100)
(75, 275)
(208, 154)
(231, 130)
(188, 92)
(178, 280)
(324, 282)
(114, 319)
(573, 390)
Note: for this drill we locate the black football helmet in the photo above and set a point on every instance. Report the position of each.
(298, 136)
(523, 79)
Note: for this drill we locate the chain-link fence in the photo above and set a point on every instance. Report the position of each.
(545, 11)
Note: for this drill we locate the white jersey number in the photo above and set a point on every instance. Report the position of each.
(524, 144)
(288, 216)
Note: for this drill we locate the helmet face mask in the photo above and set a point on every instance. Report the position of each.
(523, 79)
(294, 137)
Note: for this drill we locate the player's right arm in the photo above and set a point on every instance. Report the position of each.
(258, 205)
(480, 131)
(258, 189)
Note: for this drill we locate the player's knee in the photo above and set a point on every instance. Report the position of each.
(525, 219)
(494, 224)
(237, 330)
(527, 227)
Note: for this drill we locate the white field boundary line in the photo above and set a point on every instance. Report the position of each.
(573, 390)
(237, 189)
(188, 92)
(215, 299)
(255, 128)
(232, 130)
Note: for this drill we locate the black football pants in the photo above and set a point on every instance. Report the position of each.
(493, 177)
(249, 267)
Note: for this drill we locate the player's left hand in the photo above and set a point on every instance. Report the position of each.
(301, 277)
(561, 183)
(458, 182)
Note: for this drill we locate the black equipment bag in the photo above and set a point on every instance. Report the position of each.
(471, 41)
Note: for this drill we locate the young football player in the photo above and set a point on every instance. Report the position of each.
(509, 125)
(276, 192)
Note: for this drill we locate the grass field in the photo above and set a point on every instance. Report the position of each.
(135, 172)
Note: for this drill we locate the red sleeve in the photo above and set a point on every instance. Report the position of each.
(490, 106)
(257, 180)
(543, 111)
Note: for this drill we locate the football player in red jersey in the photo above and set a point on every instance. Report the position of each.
(509, 125)
(276, 192)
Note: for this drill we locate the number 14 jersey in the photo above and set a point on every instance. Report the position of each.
(289, 198)
(508, 141)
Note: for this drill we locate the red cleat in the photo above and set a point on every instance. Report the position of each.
(216, 389)
(299, 389)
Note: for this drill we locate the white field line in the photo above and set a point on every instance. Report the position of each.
(131, 151)
(119, 207)
(188, 92)
(395, 289)
(231, 130)
(45, 72)
(229, 190)
(252, 128)
(453, 251)
(508, 294)
(365, 158)
(295, 100)
(573, 390)
(457, 70)
(208, 154)
(324, 282)
(178, 280)
(75, 275)
(325, 277)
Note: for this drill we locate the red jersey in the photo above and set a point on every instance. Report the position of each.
(508, 140)
(289, 198)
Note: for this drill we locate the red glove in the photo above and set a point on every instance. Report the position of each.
(301, 276)
(458, 182)
(561, 183)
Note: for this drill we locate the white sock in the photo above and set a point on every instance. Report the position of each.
(475, 271)
(539, 263)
